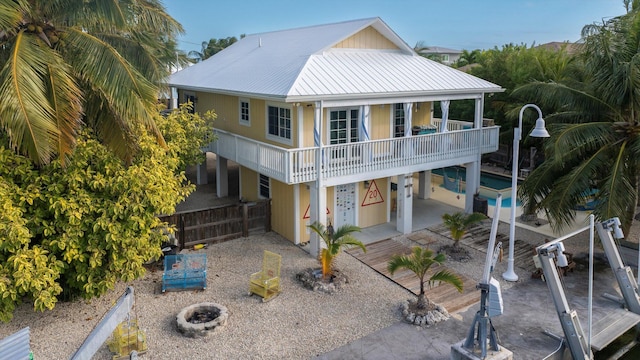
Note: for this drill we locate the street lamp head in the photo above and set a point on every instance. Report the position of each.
(540, 130)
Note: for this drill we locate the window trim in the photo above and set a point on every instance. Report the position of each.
(241, 121)
(348, 109)
(276, 138)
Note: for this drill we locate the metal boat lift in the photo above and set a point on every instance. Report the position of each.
(614, 324)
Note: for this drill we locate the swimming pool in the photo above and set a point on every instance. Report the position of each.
(491, 184)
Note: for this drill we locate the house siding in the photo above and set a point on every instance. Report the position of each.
(227, 109)
(373, 207)
(282, 209)
(248, 184)
(368, 38)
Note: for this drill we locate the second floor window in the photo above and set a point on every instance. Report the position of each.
(279, 122)
(244, 112)
(398, 120)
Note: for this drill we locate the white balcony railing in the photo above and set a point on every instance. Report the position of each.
(360, 160)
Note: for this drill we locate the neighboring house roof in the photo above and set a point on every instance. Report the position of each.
(439, 50)
(304, 64)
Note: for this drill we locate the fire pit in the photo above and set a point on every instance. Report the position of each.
(199, 320)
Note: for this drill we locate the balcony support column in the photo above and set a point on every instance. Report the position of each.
(317, 212)
(318, 202)
(405, 204)
(222, 177)
(424, 184)
(472, 178)
(201, 172)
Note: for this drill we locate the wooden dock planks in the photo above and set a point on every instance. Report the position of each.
(378, 255)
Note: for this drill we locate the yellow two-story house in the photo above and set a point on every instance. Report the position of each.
(332, 121)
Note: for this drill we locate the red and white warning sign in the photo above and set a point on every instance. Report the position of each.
(373, 195)
(307, 215)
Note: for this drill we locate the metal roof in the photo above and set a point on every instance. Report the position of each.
(439, 50)
(302, 65)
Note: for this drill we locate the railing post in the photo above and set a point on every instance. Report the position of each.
(267, 223)
(245, 220)
(181, 234)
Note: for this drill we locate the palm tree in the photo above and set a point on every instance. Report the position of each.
(421, 49)
(468, 57)
(419, 261)
(593, 116)
(65, 64)
(212, 47)
(459, 222)
(335, 241)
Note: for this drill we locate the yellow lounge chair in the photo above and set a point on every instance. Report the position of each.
(266, 283)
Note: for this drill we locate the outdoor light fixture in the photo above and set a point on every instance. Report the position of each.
(538, 131)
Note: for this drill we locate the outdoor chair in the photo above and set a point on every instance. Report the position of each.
(266, 283)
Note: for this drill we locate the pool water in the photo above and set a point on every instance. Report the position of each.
(492, 181)
(506, 202)
(489, 180)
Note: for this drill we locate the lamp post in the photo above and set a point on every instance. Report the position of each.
(538, 131)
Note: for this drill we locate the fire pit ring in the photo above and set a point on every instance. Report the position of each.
(201, 319)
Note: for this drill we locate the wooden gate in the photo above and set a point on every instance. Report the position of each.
(221, 223)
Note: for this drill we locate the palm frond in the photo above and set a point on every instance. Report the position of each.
(556, 96)
(66, 100)
(349, 242)
(25, 111)
(130, 96)
(11, 13)
(578, 140)
(405, 262)
(617, 188)
(447, 277)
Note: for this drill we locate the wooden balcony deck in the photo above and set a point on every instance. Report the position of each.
(357, 161)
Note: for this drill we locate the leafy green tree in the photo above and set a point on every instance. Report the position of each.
(186, 133)
(334, 242)
(75, 230)
(419, 262)
(65, 64)
(459, 222)
(593, 118)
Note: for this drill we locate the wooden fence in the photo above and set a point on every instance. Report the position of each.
(221, 223)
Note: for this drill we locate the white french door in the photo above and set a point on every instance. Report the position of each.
(343, 129)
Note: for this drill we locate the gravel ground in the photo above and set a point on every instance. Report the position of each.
(298, 324)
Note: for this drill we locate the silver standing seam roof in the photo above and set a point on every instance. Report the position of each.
(302, 65)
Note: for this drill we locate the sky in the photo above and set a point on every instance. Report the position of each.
(461, 24)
